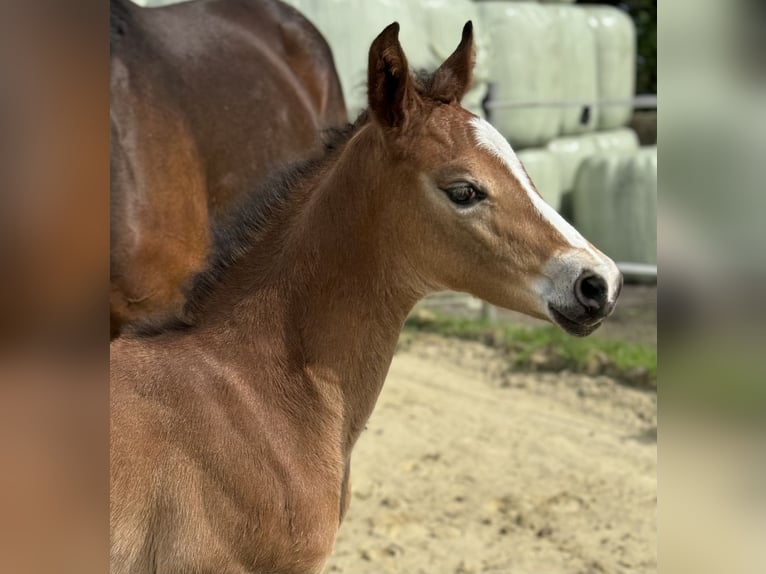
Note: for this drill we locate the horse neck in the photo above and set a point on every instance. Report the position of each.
(331, 288)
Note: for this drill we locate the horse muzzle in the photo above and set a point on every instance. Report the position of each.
(579, 306)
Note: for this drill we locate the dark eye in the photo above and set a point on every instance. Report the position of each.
(464, 194)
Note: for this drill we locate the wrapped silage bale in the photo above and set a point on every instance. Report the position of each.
(615, 36)
(524, 67)
(569, 152)
(619, 140)
(543, 170)
(444, 21)
(614, 204)
(350, 26)
(579, 78)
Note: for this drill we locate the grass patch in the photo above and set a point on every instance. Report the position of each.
(547, 348)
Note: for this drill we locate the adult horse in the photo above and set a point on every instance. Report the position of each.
(206, 98)
(232, 434)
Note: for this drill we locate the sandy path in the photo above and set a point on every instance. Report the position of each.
(466, 467)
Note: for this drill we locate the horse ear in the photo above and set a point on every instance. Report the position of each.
(453, 78)
(389, 86)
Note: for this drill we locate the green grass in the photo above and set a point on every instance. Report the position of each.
(633, 363)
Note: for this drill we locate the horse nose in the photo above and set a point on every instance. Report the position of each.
(591, 290)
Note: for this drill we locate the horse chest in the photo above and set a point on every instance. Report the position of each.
(285, 530)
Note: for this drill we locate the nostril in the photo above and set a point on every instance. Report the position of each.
(591, 291)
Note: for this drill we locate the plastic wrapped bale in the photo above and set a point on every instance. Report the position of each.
(444, 20)
(543, 170)
(579, 80)
(524, 67)
(350, 26)
(569, 152)
(614, 204)
(615, 36)
(557, 1)
(619, 140)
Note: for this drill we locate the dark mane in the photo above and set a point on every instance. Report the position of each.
(426, 84)
(424, 79)
(120, 18)
(233, 234)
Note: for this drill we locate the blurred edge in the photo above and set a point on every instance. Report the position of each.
(712, 137)
(54, 226)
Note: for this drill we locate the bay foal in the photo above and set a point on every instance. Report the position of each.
(232, 435)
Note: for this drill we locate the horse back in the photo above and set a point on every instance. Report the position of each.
(254, 78)
(207, 98)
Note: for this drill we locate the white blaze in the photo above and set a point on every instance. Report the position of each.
(492, 140)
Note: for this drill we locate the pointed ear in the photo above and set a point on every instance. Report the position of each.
(390, 92)
(453, 78)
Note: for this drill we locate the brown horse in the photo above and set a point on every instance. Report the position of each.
(206, 98)
(232, 435)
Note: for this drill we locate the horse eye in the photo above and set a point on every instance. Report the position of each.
(464, 194)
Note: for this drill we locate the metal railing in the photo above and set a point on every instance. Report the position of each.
(644, 270)
(640, 102)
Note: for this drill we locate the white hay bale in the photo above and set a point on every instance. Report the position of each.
(524, 67)
(619, 140)
(614, 204)
(579, 78)
(615, 36)
(543, 170)
(570, 152)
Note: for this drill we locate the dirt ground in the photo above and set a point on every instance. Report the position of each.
(467, 467)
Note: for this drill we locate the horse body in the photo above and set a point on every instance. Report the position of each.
(232, 436)
(207, 98)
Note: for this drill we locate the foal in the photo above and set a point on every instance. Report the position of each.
(232, 435)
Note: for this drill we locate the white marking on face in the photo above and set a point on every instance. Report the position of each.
(492, 140)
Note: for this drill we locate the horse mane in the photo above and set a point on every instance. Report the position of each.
(120, 18)
(233, 233)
